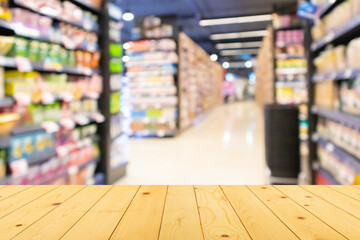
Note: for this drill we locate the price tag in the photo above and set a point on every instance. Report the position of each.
(47, 98)
(160, 133)
(73, 170)
(67, 96)
(330, 37)
(23, 64)
(315, 137)
(314, 109)
(51, 127)
(99, 118)
(330, 147)
(348, 73)
(68, 123)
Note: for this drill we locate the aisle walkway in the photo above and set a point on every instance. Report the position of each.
(226, 147)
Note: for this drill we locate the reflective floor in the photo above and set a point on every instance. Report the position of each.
(225, 147)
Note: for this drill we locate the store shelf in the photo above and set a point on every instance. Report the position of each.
(352, 27)
(327, 7)
(11, 63)
(6, 102)
(22, 31)
(75, 24)
(61, 174)
(341, 75)
(328, 177)
(338, 116)
(20, 130)
(290, 71)
(153, 134)
(294, 84)
(40, 158)
(287, 56)
(341, 153)
(87, 6)
(288, 28)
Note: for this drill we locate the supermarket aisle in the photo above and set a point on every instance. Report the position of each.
(227, 147)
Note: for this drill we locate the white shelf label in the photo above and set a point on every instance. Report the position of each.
(348, 73)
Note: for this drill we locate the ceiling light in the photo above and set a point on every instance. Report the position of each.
(226, 65)
(214, 57)
(235, 20)
(238, 52)
(128, 16)
(238, 45)
(249, 34)
(248, 64)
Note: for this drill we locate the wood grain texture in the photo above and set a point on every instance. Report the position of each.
(7, 191)
(342, 201)
(142, 220)
(218, 218)
(350, 191)
(304, 224)
(181, 217)
(105, 215)
(336, 218)
(22, 218)
(22, 198)
(259, 221)
(55, 224)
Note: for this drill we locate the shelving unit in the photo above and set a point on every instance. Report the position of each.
(329, 157)
(290, 85)
(200, 82)
(78, 127)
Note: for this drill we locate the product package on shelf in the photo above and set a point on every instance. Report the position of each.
(152, 70)
(339, 17)
(291, 67)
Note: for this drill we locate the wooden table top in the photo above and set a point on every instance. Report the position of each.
(179, 212)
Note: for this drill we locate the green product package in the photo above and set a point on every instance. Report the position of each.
(7, 46)
(72, 59)
(64, 57)
(22, 48)
(34, 51)
(116, 65)
(43, 51)
(115, 103)
(116, 50)
(54, 53)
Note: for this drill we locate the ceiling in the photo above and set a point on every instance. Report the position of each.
(189, 12)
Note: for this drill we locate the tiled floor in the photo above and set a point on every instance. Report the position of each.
(226, 147)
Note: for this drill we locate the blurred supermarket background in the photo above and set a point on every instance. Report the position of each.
(179, 92)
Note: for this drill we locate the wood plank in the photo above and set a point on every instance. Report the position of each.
(259, 221)
(336, 218)
(181, 217)
(142, 220)
(22, 218)
(348, 191)
(342, 201)
(300, 221)
(218, 218)
(22, 198)
(2, 186)
(105, 215)
(55, 224)
(8, 191)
